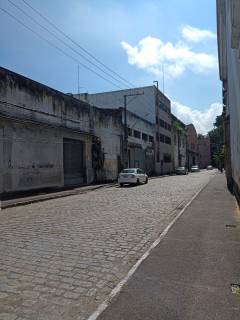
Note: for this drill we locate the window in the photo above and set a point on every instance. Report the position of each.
(156, 120)
(161, 137)
(175, 140)
(162, 123)
(157, 136)
(169, 127)
(151, 139)
(144, 136)
(167, 157)
(137, 134)
(167, 140)
(130, 132)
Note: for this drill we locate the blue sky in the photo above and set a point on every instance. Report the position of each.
(134, 38)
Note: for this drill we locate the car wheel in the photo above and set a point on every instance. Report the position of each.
(146, 181)
(121, 184)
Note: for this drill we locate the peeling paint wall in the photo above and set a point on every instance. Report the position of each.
(108, 127)
(34, 120)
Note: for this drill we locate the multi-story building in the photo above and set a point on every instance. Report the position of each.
(228, 25)
(151, 105)
(50, 139)
(179, 141)
(204, 151)
(192, 146)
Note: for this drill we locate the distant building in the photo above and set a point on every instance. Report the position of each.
(228, 25)
(204, 152)
(152, 106)
(179, 141)
(192, 146)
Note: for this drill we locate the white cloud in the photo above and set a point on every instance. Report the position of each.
(151, 53)
(192, 34)
(202, 120)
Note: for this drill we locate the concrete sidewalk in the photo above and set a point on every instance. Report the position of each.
(189, 274)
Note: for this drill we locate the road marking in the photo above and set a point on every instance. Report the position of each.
(119, 286)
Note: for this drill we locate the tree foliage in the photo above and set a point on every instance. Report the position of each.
(217, 142)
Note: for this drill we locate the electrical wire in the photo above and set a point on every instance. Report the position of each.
(68, 55)
(80, 46)
(56, 47)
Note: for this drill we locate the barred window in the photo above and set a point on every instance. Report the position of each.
(137, 134)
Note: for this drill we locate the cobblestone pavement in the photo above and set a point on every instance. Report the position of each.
(60, 258)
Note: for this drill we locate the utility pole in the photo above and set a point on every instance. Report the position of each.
(125, 138)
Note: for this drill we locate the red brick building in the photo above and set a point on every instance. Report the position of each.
(192, 146)
(204, 153)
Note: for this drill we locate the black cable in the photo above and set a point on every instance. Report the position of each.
(77, 44)
(56, 47)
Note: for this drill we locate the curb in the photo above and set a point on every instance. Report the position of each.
(46, 197)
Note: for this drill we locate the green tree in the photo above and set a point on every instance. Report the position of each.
(217, 142)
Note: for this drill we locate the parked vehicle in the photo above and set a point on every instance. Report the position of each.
(181, 170)
(209, 167)
(132, 176)
(195, 169)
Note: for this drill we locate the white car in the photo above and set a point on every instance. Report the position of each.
(132, 176)
(195, 169)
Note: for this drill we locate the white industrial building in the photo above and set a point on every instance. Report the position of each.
(150, 104)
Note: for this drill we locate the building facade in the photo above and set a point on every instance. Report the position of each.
(179, 141)
(49, 139)
(151, 105)
(192, 146)
(204, 151)
(228, 25)
(141, 148)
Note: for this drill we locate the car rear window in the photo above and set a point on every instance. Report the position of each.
(128, 171)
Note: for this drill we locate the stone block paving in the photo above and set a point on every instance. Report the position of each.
(59, 259)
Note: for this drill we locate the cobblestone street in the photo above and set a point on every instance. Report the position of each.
(59, 259)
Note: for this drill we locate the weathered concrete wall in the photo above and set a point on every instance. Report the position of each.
(32, 156)
(228, 23)
(233, 76)
(108, 127)
(23, 98)
(34, 119)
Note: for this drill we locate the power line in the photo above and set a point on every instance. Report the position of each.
(56, 47)
(81, 47)
(68, 55)
(76, 43)
(66, 44)
(34, 20)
